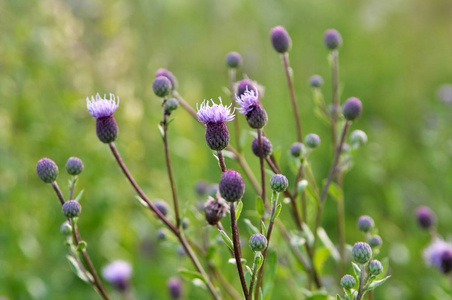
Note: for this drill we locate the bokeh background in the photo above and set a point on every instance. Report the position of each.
(54, 53)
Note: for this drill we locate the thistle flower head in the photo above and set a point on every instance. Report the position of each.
(169, 75)
(348, 282)
(425, 217)
(266, 147)
(71, 209)
(233, 59)
(248, 101)
(217, 113)
(258, 242)
(174, 287)
(47, 170)
(365, 223)
(118, 274)
(231, 186)
(361, 252)
(102, 107)
(74, 166)
(281, 40)
(439, 255)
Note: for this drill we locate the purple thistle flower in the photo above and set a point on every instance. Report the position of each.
(118, 273)
(247, 101)
(439, 255)
(252, 109)
(217, 113)
(425, 217)
(214, 117)
(102, 108)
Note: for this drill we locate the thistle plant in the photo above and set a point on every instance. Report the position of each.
(295, 194)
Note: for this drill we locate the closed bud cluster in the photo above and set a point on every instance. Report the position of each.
(375, 241)
(174, 287)
(352, 108)
(425, 217)
(162, 206)
(358, 137)
(231, 186)
(281, 40)
(215, 209)
(279, 183)
(348, 282)
(171, 105)
(297, 149)
(375, 267)
(161, 86)
(233, 60)
(332, 39)
(266, 147)
(71, 209)
(169, 75)
(316, 81)
(312, 140)
(47, 170)
(258, 242)
(74, 166)
(365, 224)
(361, 252)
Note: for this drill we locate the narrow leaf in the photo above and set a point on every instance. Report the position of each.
(238, 210)
(307, 233)
(328, 243)
(263, 228)
(142, 202)
(260, 206)
(86, 277)
(192, 275)
(79, 196)
(229, 154)
(377, 283)
(227, 240)
(250, 226)
(161, 131)
(357, 270)
(277, 212)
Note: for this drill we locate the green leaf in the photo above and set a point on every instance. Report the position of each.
(263, 228)
(260, 208)
(357, 270)
(250, 226)
(82, 245)
(321, 295)
(227, 240)
(228, 154)
(169, 122)
(238, 208)
(142, 202)
(321, 115)
(328, 243)
(192, 275)
(338, 297)
(242, 140)
(161, 131)
(377, 283)
(270, 268)
(86, 277)
(258, 260)
(277, 154)
(277, 212)
(307, 233)
(79, 196)
(335, 191)
(321, 255)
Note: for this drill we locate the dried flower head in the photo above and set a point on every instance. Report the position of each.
(118, 274)
(102, 107)
(215, 209)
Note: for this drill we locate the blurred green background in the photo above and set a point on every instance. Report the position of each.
(54, 53)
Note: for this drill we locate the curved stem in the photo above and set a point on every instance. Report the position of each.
(176, 231)
(341, 224)
(164, 123)
(237, 250)
(77, 239)
(285, 58)
(331, 173)
(335, 110)
(361, 283)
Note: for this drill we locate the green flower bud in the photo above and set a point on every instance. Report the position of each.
(375, 267)
(348, 282)
(361, 252)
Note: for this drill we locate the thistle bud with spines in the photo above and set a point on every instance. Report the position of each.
(71, 209)
(258, 242)
(47, 170)
(279, 183)
(361, 252)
